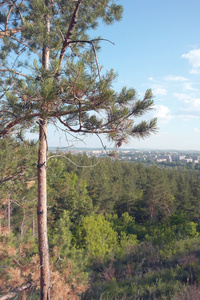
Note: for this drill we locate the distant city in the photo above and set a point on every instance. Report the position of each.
(145, 156)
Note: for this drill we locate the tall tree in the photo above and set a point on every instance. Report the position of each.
(50, 75)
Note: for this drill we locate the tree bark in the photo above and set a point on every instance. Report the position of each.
(42, 214)
(42, 186)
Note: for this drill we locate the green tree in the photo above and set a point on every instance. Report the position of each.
(61, 235)
(157, 200)
(67, 192)
(61, 82)
(100, 238)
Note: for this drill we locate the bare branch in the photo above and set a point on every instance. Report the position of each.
(15, 72)
(68, 132)
(70, 128)
(21, 42)
(2, 95)
(18, 290)
(78, 166)
(22, 19)
(104, 147)
(9, 32)
(70, 30)
(7, 19)
(95, 54)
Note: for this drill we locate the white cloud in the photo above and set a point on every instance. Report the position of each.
(190, 109)
(194, 59)
(187, 115)
(196, 130)
(175, 78)
(182, 96)
(194, 71)
(193, 104)
(151, 79)
(181, 81)
(163, 113)
(159, 91)
(188, 86)
(196, 103)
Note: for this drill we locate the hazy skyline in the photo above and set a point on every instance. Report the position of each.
(157, 46)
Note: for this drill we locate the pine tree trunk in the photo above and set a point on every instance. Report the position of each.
(42, 187)
(42, 214)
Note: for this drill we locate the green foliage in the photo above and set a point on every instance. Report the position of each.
(72, 91)
(157, 258)
(67, 192)
(100, 238)
(171, 230)
(127, 242)
(60, 235)
(125, 223)
(128, 231)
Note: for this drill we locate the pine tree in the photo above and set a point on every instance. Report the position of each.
(50, 74)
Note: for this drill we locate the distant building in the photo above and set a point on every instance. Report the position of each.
(182, 157)
(186, 160)
(161, 159)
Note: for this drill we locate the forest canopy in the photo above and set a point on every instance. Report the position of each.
(118, 229)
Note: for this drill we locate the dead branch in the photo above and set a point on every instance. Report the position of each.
(18, 290)
(78, 166)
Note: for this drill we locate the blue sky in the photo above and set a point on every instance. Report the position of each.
(157, 46)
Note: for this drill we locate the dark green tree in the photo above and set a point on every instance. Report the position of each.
(156, 200)
(50, 74)
(67, 192)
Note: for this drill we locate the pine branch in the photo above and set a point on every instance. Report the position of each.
(8, 129)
